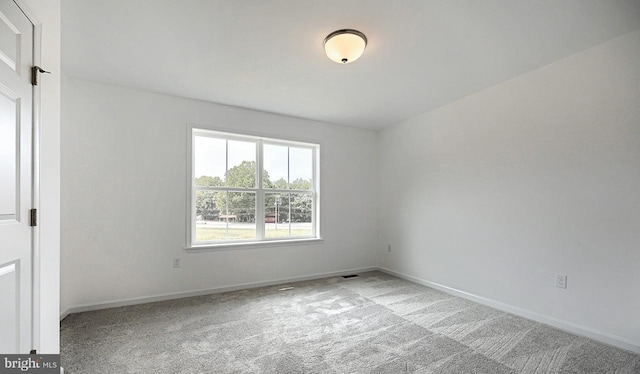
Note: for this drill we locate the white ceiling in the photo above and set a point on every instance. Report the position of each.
(268, 55)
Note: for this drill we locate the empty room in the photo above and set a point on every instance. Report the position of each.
(299, 186)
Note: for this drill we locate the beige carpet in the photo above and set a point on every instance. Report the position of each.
(374, 323)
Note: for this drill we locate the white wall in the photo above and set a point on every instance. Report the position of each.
(124, 192)
(496, 193)
(47, 13)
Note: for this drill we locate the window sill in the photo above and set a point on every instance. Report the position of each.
(251, 245)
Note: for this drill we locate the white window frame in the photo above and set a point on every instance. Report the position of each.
(260, 193)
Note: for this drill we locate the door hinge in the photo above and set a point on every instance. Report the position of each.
(33, 217)
(35, 70)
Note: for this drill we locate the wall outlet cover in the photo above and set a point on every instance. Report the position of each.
(561, 281)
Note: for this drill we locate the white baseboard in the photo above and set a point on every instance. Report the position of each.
(594, 334)
(563, 325)
(64, 314)
(228, 288)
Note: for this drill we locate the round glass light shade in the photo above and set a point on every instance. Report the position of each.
(345, 46)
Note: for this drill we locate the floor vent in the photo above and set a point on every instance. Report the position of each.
(349, 276)
(285, 288)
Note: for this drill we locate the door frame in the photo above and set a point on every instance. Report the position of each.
(35, 177)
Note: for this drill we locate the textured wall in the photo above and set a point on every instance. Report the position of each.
(124, 196)
(496, 193)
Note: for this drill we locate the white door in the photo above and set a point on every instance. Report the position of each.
(16, 92)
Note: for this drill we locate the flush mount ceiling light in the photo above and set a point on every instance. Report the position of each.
(345, 46)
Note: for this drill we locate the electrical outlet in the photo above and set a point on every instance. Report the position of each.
(561, 281)
(388, 247)
(176, 263)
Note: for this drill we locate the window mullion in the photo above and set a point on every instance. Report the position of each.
(192, 185)
(260, 229)
(231, 189)
(274, 190)
(289, 214)
(226, 162)
(226, 235)
(226, 183)
(315, 222)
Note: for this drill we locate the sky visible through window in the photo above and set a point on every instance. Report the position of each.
(210, 159)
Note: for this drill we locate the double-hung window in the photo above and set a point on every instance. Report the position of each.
(251, 189)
